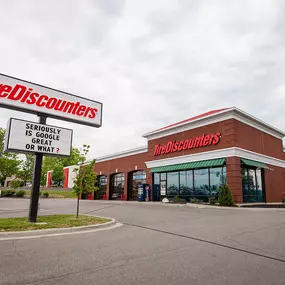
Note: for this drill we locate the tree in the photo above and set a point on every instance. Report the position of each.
(77, 156)
(225, 196)
(58, 174)
(27, 168)
(85, 182)
(15, 184)
(9, 162)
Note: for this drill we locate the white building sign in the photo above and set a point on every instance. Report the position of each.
(17, 94)
(28, 137)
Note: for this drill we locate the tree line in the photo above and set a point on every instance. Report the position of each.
(22, 166)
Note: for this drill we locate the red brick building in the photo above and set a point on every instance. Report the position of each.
(192, 158)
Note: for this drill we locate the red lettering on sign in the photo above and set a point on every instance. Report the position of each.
(200, 141)
(81, 110)
(17, 92)
(27, 95)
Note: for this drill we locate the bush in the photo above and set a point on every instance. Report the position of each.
(10, 193)
(20, 193)
(15, 184)
(46, 194)
(177, 199)
(225, 196)
(3, 193)
(194, 200)
(212, 200)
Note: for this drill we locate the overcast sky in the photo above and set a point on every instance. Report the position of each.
(151, 63)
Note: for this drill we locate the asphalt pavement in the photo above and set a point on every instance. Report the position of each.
(157, 244)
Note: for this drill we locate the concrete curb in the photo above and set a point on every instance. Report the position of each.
(48, 232)
(239, 208)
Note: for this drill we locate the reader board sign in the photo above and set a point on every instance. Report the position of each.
(24, 96)
(29, 137)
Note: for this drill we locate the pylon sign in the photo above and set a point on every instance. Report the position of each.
(39, 138)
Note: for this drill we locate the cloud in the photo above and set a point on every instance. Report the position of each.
(151, 63)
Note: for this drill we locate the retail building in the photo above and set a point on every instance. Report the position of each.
(192, 158)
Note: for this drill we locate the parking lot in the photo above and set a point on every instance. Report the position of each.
(157, 244)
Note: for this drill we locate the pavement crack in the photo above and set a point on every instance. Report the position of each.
(254, 248)
(260, 229)
(96, 210)
(209, 242)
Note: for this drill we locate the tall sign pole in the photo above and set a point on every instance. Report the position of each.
(34, 201)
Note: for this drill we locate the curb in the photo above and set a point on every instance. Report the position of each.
(49, 232)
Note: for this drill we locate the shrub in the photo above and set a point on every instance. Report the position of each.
(195, 201)
(9, 193)
(20, 193)
(3, 193)
(212, 200)
(225, 196)
(177, 199)
(46, 194)
(15, 184)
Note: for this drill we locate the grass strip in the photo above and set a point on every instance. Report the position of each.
(54, 221)
(55, 194)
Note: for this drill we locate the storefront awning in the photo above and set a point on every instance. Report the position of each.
(190, 165)
(254, 163)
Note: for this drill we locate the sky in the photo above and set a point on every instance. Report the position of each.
(151, 63)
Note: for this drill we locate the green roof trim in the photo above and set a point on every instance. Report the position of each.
(190, 165)
(254, 163)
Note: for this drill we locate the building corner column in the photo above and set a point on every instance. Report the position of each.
(234, 178)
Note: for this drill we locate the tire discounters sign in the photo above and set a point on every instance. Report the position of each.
(29, 97)
(28, 137)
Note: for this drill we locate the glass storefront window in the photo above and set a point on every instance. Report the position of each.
(201, 184)
(186, 183)
(163, 188)
(172, 183)
(252, 186)
(216, 180)
(162, 176)
(156, 178)
(260, 192)
(189, 184)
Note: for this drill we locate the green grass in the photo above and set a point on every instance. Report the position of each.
(61, 194)
(55, 194)
(55, 221)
